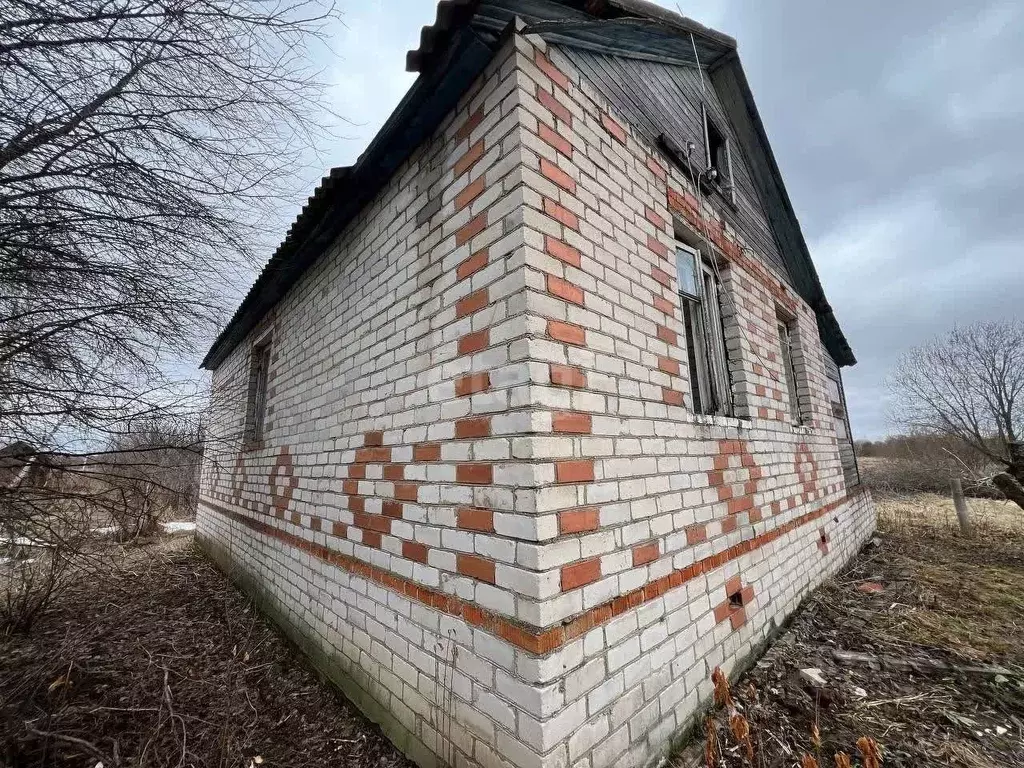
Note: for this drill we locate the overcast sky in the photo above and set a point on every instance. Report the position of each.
(898, 128)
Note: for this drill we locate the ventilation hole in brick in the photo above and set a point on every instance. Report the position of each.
(736, 599)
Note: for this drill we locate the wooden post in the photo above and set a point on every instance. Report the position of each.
(960, 503)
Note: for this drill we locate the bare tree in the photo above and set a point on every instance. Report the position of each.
(142, 143)
(970, 385)
(147, 148)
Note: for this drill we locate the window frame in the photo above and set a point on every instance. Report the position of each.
(725, 183)
(256, 396)
(704, 331)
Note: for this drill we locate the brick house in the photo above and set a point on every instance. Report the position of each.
(535, 417)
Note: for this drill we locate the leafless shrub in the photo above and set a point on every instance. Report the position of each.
(27, 585)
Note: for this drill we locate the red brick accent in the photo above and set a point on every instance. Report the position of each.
(556, 175)
(578, 520)
(371, 522)
(564, 290)
(474, 302)
(471, 229)
(580, 574)
(668, 335)
(473, 264)
(561, 214)
(567, 333)
(407, 492)
(550, 103)
(661, 276)
(373, 455)
(371, 539)
(664, 305)
(741, 504)
(671, 396)
(339, 529)
(550, 136)
(695, 534)
(544, 65)
(571, 421)
(738, 618)
(687, 206)
(567, 376)
(391, 508)
(373, 439)
(535, 642)
(657, 246)
(471, 192)
(646, 553)
(561, 251)
(471, 384)
(471, 122)
(733, 585)
(475, 567)
(657, 169)
(655, 218)
(612, 126)
(474, 474)
(668, 365)
(394, 471)
(475, 519)
(412, 550)
(474, 342)
(473, 427)
(426, 452)
(574, 471)
(468, 160)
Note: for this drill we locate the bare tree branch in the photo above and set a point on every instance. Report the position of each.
(968, 385)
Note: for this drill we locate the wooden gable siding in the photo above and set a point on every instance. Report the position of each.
(658, 98)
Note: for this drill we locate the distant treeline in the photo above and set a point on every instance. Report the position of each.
(915, 463)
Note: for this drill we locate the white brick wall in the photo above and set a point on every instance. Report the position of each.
(479, 437)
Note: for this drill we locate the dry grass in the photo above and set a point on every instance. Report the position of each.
(904, 513)
(968, 591)
(945, 598)
(160, 662)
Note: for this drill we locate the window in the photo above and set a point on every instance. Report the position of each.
(699, 292)
(256, 406)
(719, 156)
(789, 368)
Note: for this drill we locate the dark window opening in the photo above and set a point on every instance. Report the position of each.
(256, 404)
(719, 156)
(789, 369)
(736, 599)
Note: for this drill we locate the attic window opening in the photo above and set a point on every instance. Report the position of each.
(718, 157)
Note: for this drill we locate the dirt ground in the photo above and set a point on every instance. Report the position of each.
(919, 645)
(159, 661)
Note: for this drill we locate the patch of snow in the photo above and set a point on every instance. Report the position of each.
(22, 541)
(814, 676)
(179, 526)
